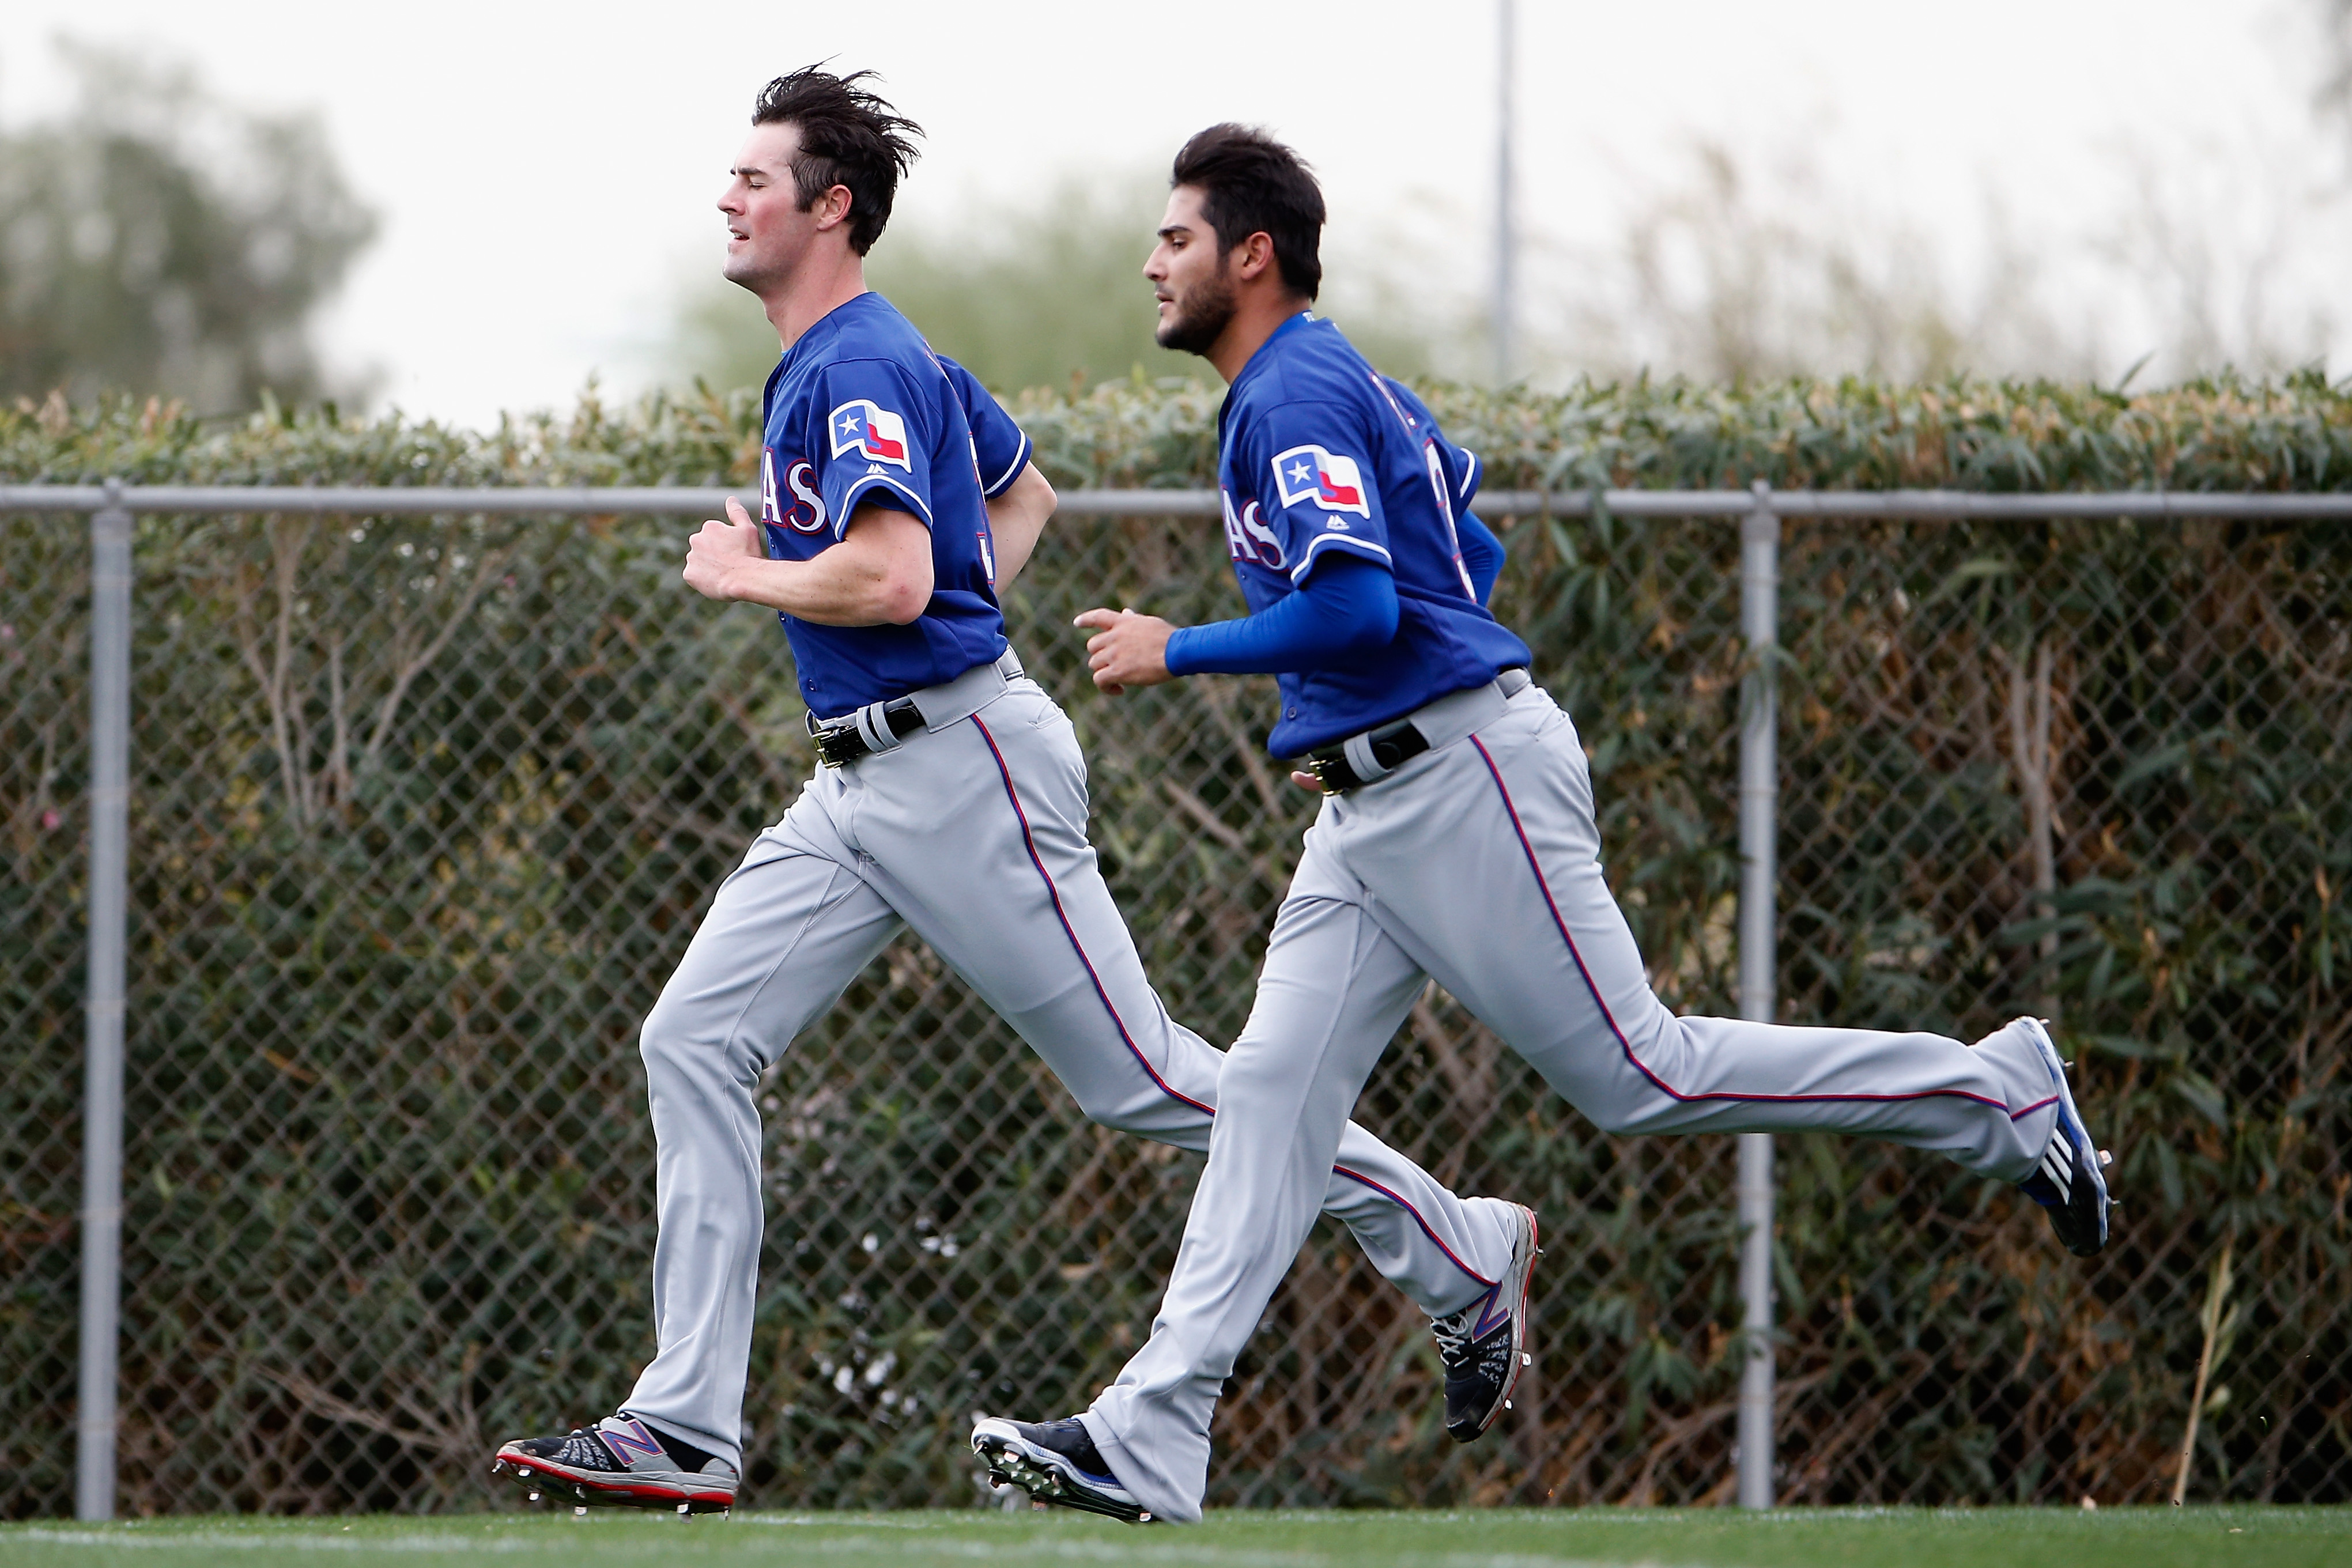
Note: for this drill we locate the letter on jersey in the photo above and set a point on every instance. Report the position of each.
(871, 431)
(1331, 481)
(806, 512)
(1247, 536)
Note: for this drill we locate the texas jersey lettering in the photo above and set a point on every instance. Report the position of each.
(1247, 536)
(802, 507)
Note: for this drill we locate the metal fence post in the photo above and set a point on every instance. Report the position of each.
(101, 1171)
(1760, 612)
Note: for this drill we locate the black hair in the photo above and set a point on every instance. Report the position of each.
(849, 136)
(1251, 183)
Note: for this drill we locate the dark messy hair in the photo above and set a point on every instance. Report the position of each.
(1251, 183)
(849, 136)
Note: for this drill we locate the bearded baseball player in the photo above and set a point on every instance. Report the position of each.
(1456, 842)
(896, 500)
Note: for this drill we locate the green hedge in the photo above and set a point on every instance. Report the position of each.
(386, 1158)
(2224, 433)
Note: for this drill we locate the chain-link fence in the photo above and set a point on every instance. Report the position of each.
(424, 811)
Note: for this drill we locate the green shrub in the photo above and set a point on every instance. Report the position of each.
(423, 810)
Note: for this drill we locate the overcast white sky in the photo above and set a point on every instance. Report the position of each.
(546, 172)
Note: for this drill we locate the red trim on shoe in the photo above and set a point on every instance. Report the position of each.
(604, 1481)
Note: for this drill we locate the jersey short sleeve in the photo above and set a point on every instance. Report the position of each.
(1000, 447)
(1468, 472)
(876, 443)
(1316, 485)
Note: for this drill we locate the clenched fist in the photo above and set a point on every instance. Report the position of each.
(718, 550)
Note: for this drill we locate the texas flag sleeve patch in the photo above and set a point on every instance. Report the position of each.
(1329, 479)
(872, 431)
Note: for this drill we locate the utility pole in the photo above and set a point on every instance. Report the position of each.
(1760, 812)
(1504, 316)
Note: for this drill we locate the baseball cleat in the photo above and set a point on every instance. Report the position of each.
(1056, 1462)
(620, 1462)
(2071, 1182)
(1485, 1345)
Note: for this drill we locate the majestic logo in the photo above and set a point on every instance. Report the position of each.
(874, 432)
(1247, 536)
(806, 512)
(1329, 480)
(987, 555)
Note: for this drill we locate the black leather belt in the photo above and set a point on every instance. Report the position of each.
(1390, 744)
(1385, 748)
(840, 740)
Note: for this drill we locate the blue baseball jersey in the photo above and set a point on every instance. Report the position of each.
(1320, 453)
(859, 410)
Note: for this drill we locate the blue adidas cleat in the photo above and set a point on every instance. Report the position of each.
(2070, 1183)
(1055, 1462)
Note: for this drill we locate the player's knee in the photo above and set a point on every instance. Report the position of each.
(665, 1040)
(1254, 1071)
(1617, 1120)
(1125, 1111)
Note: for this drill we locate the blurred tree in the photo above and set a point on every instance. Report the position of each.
(1051, 296)
(1747, 269)
(1040, 297)
(157, 240)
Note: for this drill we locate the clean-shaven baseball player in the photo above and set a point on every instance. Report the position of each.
(897, 497)
(1457, 841)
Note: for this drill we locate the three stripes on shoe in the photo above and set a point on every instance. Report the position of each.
(2058, 1161)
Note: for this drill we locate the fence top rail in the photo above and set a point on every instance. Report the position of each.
(682, 500)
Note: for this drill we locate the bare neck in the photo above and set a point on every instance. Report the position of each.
(1258, 314)
(828, 280)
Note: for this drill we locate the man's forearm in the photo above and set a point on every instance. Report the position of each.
(879, 574)
(817, 592)
(1348, 607)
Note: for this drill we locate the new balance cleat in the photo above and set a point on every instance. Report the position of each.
(1056, 1462)
(620, 1462)
(1485, 1345)
(2071, 1182)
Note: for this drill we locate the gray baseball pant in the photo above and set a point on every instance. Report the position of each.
(1477, 865)
(973, 834)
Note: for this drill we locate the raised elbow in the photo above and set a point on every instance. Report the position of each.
(1355, 605)
(900, 602)
(1368, 620)
(1374, 629)
(900, 589)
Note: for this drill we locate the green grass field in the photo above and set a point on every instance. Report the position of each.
(1862, 1538)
